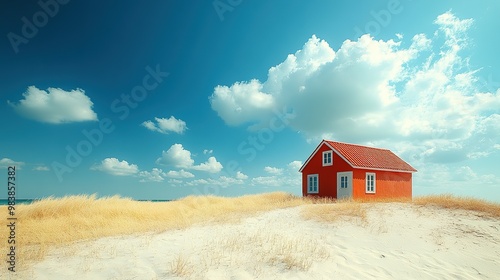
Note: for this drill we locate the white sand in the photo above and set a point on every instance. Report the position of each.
(397, 241)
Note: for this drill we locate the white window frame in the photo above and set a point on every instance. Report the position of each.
(323, 158)
(368, 179)
(309, 190)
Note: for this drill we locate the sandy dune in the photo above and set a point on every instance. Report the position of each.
(395, 241)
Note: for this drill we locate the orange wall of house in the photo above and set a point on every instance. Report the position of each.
(388, 184)
(327, 175)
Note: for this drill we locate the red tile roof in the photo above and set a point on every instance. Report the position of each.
(370, 158)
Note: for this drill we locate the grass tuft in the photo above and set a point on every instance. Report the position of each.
(181, 267)
(464, 203)
(331, 212)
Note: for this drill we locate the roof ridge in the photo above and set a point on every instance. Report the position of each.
(358, 145)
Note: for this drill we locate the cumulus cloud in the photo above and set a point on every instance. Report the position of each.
(176, 156)
(241, 176)
(55, 105)
(115, 167)
(6, 162)
(280, 177)
(211, 165)
(179, 157)
(418, 96)
(323, 88)
(41, 168)
(165, 126)
(181, 174)
(221, 181)
(295, 165)
(155, 175)
(459, 178)
(268, 181)
(273, 170)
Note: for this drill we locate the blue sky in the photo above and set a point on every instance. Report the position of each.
(163, 99)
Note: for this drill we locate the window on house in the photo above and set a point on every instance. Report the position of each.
(370, 183)
(343, 182)
(327, 158)
(312, 183)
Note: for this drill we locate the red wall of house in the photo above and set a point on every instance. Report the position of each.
(388, 184)
(327, 175)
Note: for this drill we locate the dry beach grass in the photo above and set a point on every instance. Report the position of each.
(449, 201)
(59, 221)
(56, 223)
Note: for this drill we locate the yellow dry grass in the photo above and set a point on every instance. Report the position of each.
(181, 267)
(59, 221)
(331, 212)
(464, 203)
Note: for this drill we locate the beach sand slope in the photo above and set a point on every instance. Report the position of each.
(393, 241)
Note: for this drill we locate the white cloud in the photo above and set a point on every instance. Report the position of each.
(211, 165)
(280, 177)
(179, 157)
(288, 177)
(241, 176)
(55, 105)
(176, 156)
(456, 179)
(242, 102)
(155, 175)
(175, 182)
(41, 168)
(295, 165)
(323, 88)
(181, 174)
(268, 181)
(115, 167)
(273, 170)
(208, 152)
(165, 126)
(6, 162)
(222, 181)
(453, 28)
(149, 125)
(422, 100)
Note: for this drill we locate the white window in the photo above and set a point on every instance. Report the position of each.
(343, 182)
(327, 158)
(371, 185)
(312, 183)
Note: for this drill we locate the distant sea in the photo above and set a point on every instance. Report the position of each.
(18, 201)
(28, 201)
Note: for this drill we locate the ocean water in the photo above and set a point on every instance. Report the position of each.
(18, 201)
(28, 201)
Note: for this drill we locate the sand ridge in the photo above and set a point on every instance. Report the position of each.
(393, 241)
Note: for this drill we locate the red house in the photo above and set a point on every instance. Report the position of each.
(341, 170)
